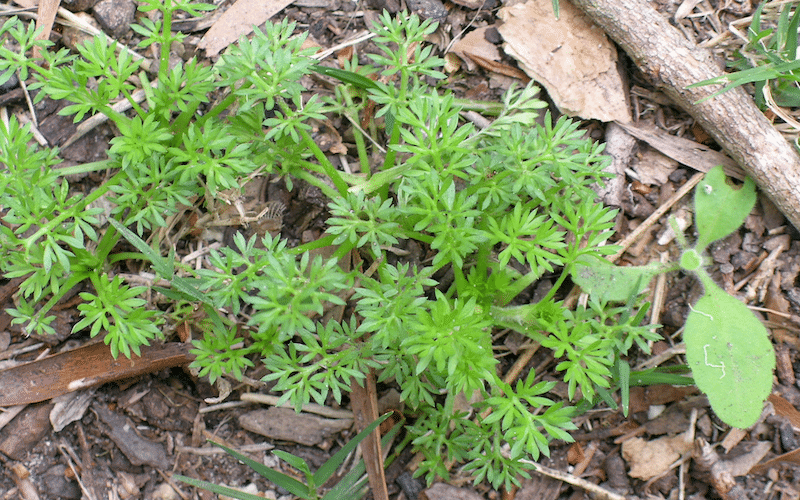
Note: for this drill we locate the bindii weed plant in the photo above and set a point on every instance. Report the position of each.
(727, 347)
(495, 211)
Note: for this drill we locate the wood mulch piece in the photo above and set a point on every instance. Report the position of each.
(125, 437)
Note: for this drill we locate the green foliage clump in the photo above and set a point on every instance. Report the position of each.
(497, 209)
(769, 58)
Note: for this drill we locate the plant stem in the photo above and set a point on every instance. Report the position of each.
(314, 181)
(166, 35)
(95, 166)
(361, 146)
(327, 166)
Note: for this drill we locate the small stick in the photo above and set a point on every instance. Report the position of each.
(310, 408)
(644, 226)
(597, 491)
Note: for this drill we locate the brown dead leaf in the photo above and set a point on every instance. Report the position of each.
(575, 453)
(744, 463)
(791, 457)
(329, 140)
(636, 400)
(648, 459)
(45, 19)
(698, 156)
(783, 356)
(475, 43)
(775, 300)
(345, 55)
(664, 393)
(570, 56)
(239, 20)
(785, 409)
(500, 68)
(672, 421)
(364, 401)
(654, 167)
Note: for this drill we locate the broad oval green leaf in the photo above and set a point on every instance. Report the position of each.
(730, 354)
(605, 281)
(719, 208)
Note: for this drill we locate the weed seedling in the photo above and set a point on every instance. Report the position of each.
(728, 349)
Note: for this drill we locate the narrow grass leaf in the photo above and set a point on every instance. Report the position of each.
(220, 490)
(162, 266)
(328, 468)
(344, 76)
(350, 486)
(291, 484)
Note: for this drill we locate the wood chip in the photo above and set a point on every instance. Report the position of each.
(285, 424)
(138, 450)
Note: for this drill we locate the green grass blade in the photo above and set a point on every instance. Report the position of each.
(758, 74)
(755, 24)
(607, 398)
(657, 376)
(163, 267)
(350, 485)
(781, 34)
(295, 461)
(328, 468)
(344, 76)
(791, 36)
(291, 484)
(624, 371)
(219, 490)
